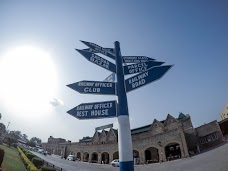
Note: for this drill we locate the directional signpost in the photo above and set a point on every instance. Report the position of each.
(94, 110)
(111, 78)
(104, 50)
(140, 67)
(148, 69)
(146, 77)
(136, 59)
(94, 87)
(98, 49)
(98, 60)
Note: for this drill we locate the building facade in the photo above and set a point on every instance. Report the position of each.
(209, 135)
(53, 145)
(166, 140)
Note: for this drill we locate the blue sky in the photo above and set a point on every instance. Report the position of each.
(192, 35)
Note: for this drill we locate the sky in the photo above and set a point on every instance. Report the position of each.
(38, 59)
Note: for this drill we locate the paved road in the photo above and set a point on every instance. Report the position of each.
(214, 160)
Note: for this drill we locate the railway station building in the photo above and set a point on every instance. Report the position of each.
(160, 141)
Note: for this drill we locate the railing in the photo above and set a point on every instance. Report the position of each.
(52, 165)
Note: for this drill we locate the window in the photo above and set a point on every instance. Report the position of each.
(208, 138)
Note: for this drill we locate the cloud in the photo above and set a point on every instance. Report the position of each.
(56, 102)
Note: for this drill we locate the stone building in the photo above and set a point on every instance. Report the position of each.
(209, 135)
(53, 145)
(165, 140)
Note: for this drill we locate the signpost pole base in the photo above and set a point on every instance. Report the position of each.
(127, 166)
(125, 144)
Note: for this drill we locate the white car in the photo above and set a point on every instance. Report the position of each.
(115, 163)
(71, 158)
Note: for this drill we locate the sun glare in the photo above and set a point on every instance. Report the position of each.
(28, 80)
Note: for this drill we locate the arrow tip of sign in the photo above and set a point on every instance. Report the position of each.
(69, 85)
(80, 51)
(83, 41)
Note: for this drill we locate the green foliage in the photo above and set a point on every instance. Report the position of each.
(37, 162)
(30, 156)
(10, 140)
(31, 144)
(2, 153)
(15, 134)
(45, 168)
(29, 165)
(35, 140)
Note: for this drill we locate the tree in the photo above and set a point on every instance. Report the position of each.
(25, 137)
(31, 144)
(10, 140)
(2, 127)
(15, 134)
(36, 140)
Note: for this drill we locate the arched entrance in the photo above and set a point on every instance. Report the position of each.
(105, 158)
(116, 155)
(86, 157)
(94, 158)
(151, 155)
(79, 156)
(136, 157)
(172, 151)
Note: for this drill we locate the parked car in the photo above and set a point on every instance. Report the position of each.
(115, 163)
(71, 157)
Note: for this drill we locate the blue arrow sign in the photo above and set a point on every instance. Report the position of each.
(94, 87)
(136, 59)
(96, 110)
(111, 78)
(146, 77)
(140, 67)
(98, 60)
(99, 49)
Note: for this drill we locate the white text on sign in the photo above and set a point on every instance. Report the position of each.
(93, 110)
(139, 67)
(99, 61)
(138, 80)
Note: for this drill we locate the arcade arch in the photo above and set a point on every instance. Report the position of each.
(105, 158)
(79, 155)
(94, 158)
(116, 155)
(86, 157)
(172, 151)
(151, 155)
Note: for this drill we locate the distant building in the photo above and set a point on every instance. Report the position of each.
(165, 140)
(52, 146)
(209, 135)
(224, 113)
